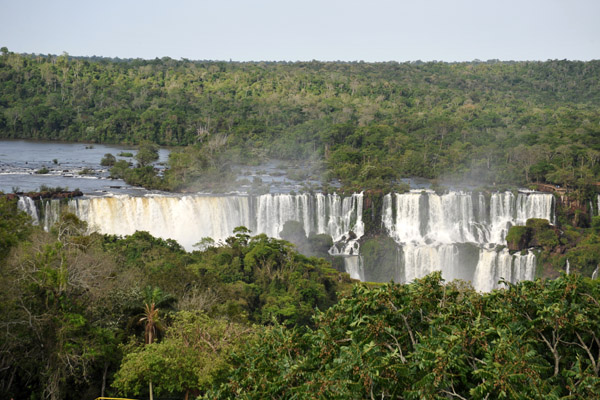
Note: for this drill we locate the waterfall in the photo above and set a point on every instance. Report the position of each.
(419, 261)
(46, 215)
(495, 265)
(568, 267)
(428, 218)
(27, 205)
(187, 219)
(51, 213)
(273, 211)
(329, 214)
(458, 233)
(406, 227)
(354, 267)
(534, 205)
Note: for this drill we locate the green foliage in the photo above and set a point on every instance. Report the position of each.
(83, 295)
(108, 160)
(147, 153)
(52, 189)
(15, 226)
(585, 257)
(596, 224)
(144, 176)
(68, 300)
(543, 235)
(120, 169)
(495, 122)
(518, 237)
(199, 168)
(54, 294)
(86, 171)
(193, 351)
(430, 340)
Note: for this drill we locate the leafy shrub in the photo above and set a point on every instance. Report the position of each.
(119, 169)
(108, 160)
(543, 234)
(518, 237)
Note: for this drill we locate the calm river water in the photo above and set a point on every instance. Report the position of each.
(20, 159)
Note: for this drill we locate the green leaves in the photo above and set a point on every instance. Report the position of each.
(372, 123)
(194, 350)
(433, 340)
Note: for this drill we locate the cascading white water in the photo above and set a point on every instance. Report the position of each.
(534, 205)
(187, 219)
(451, 219)
(430, 229)
(344, 216)
(354, 267)
(273, 211)
(456, 232)
(426, 217)
(406, 227)
(496, 265)
(422, 260)
(27, 205)
(322, 214)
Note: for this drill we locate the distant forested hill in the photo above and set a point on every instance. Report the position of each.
(511, 122)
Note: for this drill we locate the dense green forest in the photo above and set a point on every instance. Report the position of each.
(429, 340)
(368, 123)
(89, 315)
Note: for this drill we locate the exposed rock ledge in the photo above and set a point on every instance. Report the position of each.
(45, 195)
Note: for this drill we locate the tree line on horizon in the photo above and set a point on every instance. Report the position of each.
(369, 123)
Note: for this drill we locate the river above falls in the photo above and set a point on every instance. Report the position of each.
(77, 166)
(74, 166)
(70, 166)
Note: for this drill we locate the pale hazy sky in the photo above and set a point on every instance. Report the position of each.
(369, 30)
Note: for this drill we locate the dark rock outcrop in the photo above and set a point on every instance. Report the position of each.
(45, 195)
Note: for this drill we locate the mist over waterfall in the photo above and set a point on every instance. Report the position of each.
(461, 234)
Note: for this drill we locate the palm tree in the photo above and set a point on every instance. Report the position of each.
(150, 316)
(152, 322)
